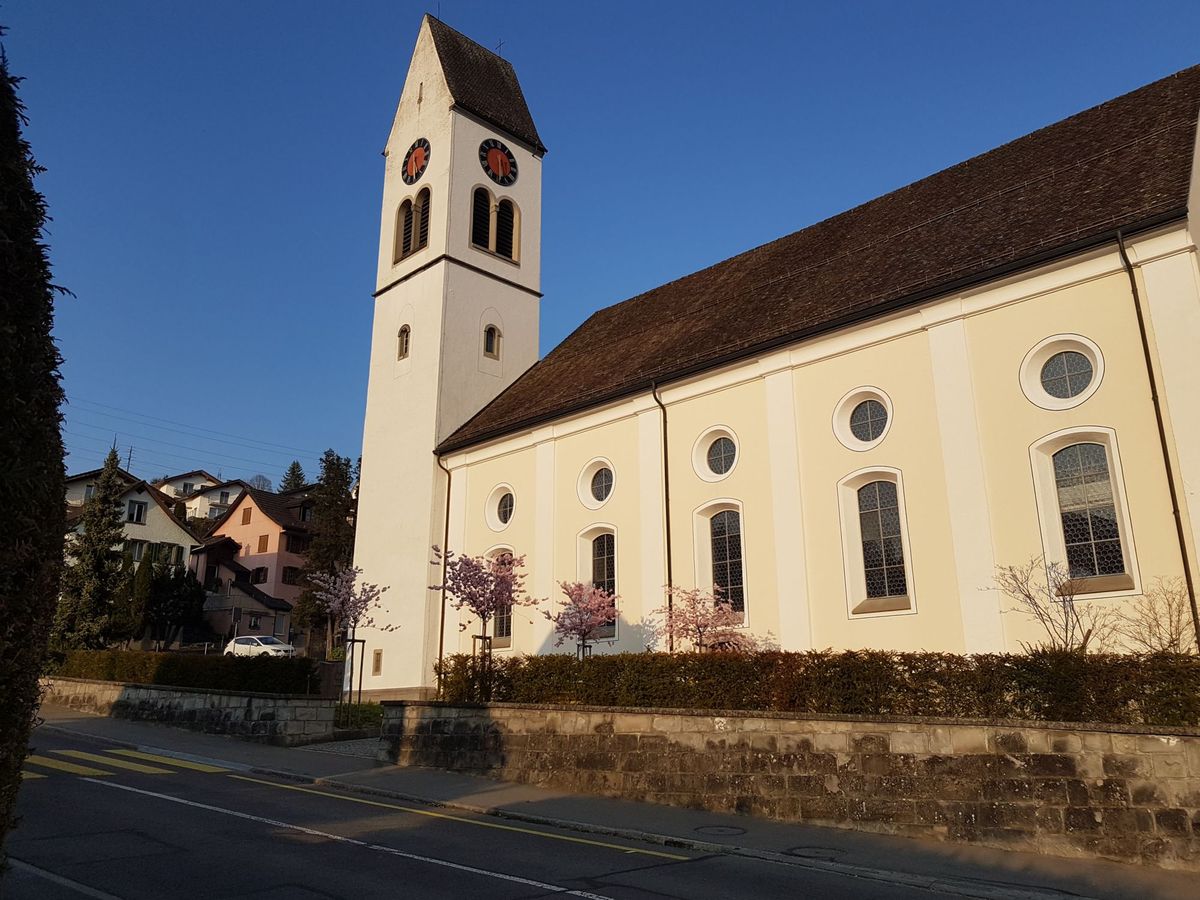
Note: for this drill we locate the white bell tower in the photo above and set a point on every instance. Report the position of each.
(456, 320)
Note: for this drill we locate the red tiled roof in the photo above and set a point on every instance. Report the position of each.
(1123, 164)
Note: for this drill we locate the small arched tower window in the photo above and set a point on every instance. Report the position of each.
(491, 342)
(402, 339)
(421, 216)
(481, 218)
(404, 230)
(506, 222)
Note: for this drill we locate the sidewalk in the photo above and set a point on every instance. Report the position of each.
(945, 868)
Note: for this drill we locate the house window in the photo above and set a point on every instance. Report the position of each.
(224, 498)
(263, 541)
(89, 491)
(246, 516)
(298, 543)
(376, 662)
(188, 487)
(214, 512)
(1088, 511)
(491, 342)
(259, 575)
(306, 512)
(135, 513)
(291, 575)
(725, 532)
(255, 622)
(402, 341)
(481, 218)
(882, 544)
(136, 550)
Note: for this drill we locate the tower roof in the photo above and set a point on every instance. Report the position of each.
(1124, 164)
(483, 83)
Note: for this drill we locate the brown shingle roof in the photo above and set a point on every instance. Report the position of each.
(1123, 164)
(483, 83)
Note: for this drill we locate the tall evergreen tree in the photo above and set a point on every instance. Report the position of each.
(293, 478)
(32, 478)
(91, 584)
(332, 545)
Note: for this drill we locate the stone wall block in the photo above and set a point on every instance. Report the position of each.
(909, 742)
(969, 740)
(1170, 765)
(869, 743)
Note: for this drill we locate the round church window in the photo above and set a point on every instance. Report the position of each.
(504, 509)
(721, 455)
(868, 420)
(602, 483)
(1066, 374)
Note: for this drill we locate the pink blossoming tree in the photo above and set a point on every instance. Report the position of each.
(483, 586)
(702, 620)
(347, 603)
(586, 610)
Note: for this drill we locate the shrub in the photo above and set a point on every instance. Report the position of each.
(1046, 685)
(289, 675)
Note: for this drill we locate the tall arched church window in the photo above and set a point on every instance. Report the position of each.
(404, 230)
(481, 218)
(725, 529)
(421, 217)
(882, 544)
(503, 621)
(604, 576)
(402, 340)
(1088, 511)
(506, 218)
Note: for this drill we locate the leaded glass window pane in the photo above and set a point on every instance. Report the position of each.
(868, 420)
(502, 629)
(1088, 510)
(721, 455)
(882, 545)
(1066, 374)
(602, 483)
(504, 509)
(726, 531)
(604, 574)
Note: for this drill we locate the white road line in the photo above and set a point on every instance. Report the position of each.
(59, 880)
(551, 888)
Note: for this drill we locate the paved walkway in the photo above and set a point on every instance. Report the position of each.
(952, 868)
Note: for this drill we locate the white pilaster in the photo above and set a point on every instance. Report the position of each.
(651, 519)
(962, 458)
(542, 571)
(791, 573)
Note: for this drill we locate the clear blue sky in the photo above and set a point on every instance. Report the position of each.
(214, 171)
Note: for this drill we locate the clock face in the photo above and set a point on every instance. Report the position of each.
(415, 161)
(498, 161)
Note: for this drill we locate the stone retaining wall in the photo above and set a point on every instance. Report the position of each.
(272, 718)
(1107, 791)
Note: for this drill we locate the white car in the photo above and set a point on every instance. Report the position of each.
(259, 646)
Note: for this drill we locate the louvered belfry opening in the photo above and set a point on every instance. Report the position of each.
(505, 227)
(406, 230)
(481, 219)
(422, 217)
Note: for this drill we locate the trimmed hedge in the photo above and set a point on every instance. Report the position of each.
(262, 674)
(1160, 689)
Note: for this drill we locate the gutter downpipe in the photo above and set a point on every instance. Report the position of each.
(1162, 435)
(666, 512)
(445, 550)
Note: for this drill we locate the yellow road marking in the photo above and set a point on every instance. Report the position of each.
(439, 815)
(31, 775)
(170, 761)
(63, 766)
(119, 763)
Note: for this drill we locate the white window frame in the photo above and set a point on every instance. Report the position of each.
(846, 406)
(491, 511)
(700, 452)
(858, 604)
(583, 543)
(492, 553)
(1040, 354)
(1045, 489)
(702, 545)
(141, 505)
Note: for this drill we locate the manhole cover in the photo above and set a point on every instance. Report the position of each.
(814, 852)
(720, 830)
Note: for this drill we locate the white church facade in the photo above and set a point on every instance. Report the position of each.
(846, 430)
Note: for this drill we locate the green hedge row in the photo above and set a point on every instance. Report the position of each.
(263, 674)
(1161, 689)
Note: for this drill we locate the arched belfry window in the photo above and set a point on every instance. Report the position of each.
(402, 341)
(491, 342)
(404, 230)
(421, 215)
(481, 218)
(506, 221)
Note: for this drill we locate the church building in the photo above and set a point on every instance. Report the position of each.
(845, 430)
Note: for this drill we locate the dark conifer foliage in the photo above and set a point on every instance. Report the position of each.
(293, 478)
(332, 546)
(31, 478)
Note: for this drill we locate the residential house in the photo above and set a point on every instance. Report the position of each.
(235, 605)
(186, 484)
(81, 487)
(213, 501)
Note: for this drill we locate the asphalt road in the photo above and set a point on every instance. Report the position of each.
(105, 823)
